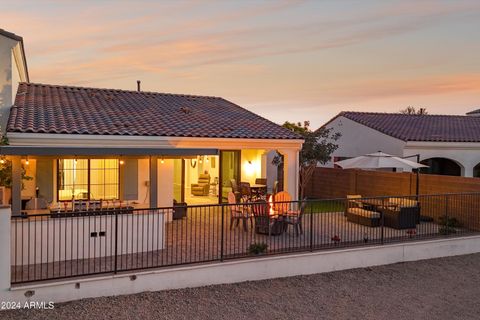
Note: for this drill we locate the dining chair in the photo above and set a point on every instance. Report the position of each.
(245, 191)
(294, 218)
(235, 190)
(238, 212)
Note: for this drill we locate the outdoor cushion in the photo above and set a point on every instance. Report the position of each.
(364, 213)
(352, 197)
(403, 202)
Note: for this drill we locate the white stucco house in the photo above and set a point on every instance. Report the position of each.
(146, 148)
(448, 144)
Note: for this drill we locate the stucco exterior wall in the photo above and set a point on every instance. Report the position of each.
(357, 139)
(6, 88)
(12, 71)
(466, 155)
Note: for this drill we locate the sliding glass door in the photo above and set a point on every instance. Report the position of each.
(229, 169)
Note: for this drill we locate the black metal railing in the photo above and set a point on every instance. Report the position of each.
(62, 245)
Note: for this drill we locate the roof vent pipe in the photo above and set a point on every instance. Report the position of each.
(138, 85)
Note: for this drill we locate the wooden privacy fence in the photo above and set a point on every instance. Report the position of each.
(329, 183)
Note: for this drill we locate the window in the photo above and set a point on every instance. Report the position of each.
(88, 179)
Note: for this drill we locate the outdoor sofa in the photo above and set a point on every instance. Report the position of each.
(402, 213)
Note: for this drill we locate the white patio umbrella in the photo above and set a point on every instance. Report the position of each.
(380, 160)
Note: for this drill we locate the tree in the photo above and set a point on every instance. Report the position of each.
(6, 168)
(317, 148)
(413, 110)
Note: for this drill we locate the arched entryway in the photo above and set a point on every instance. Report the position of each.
(476, 171)
(441, 166)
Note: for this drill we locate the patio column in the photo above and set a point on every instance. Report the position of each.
(165, 186)
(153, 182)
(291, 168)
(16, 185)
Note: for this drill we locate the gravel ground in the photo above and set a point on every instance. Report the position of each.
(447, 288)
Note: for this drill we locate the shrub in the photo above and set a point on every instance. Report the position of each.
(448, 225)
(257, 248)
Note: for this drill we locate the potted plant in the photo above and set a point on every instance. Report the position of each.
(179, 210)
(6, 173)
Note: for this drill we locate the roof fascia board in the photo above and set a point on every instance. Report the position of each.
(45, 139)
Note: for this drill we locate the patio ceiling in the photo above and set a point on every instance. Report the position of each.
(104, 151)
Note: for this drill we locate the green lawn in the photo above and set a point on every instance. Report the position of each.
(320, 206)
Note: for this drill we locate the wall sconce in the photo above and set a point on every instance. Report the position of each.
(200, 160)
(162, 161)
(27, 162)
(249, 167)
(122, 162)
(2, 160)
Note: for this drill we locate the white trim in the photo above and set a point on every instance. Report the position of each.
(68, 140)
(20, 61)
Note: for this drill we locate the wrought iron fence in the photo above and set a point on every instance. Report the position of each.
(62, 245)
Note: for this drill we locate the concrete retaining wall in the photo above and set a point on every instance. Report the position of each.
(242, 270)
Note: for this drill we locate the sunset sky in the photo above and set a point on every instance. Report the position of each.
(285, 60)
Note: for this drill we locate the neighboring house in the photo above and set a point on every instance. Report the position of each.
(142, 147)
(448, 144)
(13, 69)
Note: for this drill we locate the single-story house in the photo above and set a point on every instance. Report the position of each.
(144, 148)
(448, 144)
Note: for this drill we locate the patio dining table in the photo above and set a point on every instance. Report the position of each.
(258, 189)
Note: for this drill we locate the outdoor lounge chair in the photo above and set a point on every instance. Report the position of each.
(238, 212)
(353, 200)
(357, 214)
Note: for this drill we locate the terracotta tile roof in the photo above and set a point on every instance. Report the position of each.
(441, 128)
(43, 108)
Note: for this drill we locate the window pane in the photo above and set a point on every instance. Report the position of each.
(72, 179)
(73, 176)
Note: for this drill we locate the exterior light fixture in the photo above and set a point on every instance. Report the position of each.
(122, 162)
(2, 161)
(27, 162)
(162, 161)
